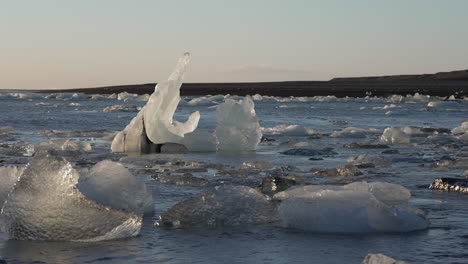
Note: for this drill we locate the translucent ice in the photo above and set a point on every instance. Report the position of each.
(111, 184)
(65, 144)
(352, 208)
(238, 128)
(348, 212)
(8, 178)
(46, 205)
(154, 122)
(161, 106)
(353, 132)
(385, 192)
(393, 135)
(221, 206)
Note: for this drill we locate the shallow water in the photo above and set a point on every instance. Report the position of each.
(444, 242)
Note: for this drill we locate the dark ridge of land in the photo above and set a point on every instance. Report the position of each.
(440, 76)
(439, 84)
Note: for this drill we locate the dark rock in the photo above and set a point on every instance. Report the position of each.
(315, 158)
(450, 185)
(266, 139)
(365, 165)
(186, 179)
(366, 146)
(309, 152)
(272, 185)
(391, 151)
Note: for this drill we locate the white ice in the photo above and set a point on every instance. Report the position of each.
(159, 111)
(238, 128)
(463, 128)
(111, 184)
(288, 130)
(45, 204)
(155, 120)
(354, 132)
(393, 135)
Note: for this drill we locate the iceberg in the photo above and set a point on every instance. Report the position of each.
(154, 123)
(354, 208)
(238, 128)
(45, 204)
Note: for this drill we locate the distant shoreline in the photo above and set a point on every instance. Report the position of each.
(439, 84)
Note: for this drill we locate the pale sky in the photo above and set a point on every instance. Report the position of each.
(86, 43)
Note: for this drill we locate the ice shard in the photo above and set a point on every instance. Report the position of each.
(238, 128)
(161, 106)
(45, 204)
(154, 123)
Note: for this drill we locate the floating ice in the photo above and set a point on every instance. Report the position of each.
(124, 96)
(161, 106)
(380, 259)
(206, 100)
(368, 159)
(393, 135)
(288, 130)
(221, 206)
(46, 205)
(17, 149)
(353, 208)
(238, 128)
(121, 108)
(354, 132)
(463, 128)
(111, 184)
(388, 193)
(65, 144)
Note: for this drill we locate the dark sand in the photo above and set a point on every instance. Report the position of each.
(439, 84)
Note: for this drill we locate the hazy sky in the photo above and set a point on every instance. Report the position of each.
(85, 43)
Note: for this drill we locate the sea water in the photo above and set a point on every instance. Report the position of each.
(83, 118)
